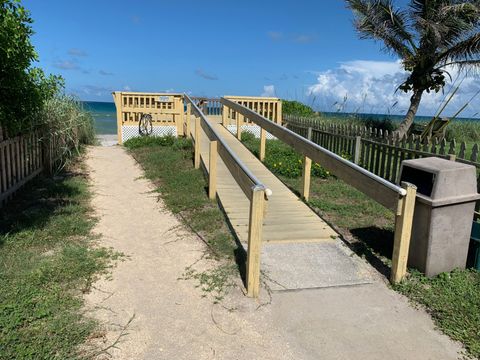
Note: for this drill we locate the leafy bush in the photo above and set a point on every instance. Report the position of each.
(290, 107)
(23, 89)
(280, 158)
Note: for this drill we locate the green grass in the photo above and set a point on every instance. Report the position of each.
(453, 300)
(47, 262)
(168, 162)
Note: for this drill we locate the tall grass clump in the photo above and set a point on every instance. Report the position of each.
(67, 126)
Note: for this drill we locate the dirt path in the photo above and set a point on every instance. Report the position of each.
(167, 318)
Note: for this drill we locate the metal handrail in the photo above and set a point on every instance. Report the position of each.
(309, 146)
(256, 183)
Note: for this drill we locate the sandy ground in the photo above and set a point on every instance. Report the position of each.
(154, 315)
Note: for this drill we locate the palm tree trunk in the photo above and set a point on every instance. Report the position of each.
(412, 110)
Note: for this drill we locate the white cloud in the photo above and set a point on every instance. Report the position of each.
(269, 91)
(369, 86)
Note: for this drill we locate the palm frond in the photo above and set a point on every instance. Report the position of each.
(468, 49)
(379, 20)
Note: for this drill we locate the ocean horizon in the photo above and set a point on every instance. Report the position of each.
(105, 116)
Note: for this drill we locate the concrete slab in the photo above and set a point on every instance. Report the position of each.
(295, 266)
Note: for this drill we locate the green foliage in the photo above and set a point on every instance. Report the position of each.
(281, 159)
(453, 301)
(23, 89)
(46, 262)
(290, 107)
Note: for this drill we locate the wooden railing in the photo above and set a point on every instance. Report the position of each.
(379, 151)
(166, 109)
(270, 108)
(253, 189)
(401, 200)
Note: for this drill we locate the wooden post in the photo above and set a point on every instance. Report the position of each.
(178, 117)
(278, 114)
(452, 157)
(257, 204)
(307, 167)
(263, 143)
(224, 115)
(212, 170)
(358, 149)
(197, 143)
(239, 125)
(117, 96)
(403, 232)
(189, 110)
(309, 133)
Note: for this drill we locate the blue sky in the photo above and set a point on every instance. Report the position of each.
(304, 50)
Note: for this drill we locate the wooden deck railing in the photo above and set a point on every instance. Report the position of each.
(270, 108)
(166, 109)
(253, 189)
(401, 200)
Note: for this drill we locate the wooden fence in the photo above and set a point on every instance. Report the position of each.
(379, 151)
(21, 159)
(25, 156)
(401, 200)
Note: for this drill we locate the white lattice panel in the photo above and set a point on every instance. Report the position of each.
(130, 131)
(254, 129)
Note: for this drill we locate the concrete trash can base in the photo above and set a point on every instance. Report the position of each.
(446, 195)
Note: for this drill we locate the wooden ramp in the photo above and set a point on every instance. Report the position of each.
(300, 250)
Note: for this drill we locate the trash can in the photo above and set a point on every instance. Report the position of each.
(442, 221)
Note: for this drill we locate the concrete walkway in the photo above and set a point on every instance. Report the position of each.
(158, 316)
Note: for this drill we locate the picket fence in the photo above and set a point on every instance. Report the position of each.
(379, 151)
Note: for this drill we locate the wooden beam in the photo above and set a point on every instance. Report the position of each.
(263, 144)
(117, 97)
(189, 110)
(403, 232)
(239, 125)
(197, 143)
(212, 170)
(255, 241)
(307, 169)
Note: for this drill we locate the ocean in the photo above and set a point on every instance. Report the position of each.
(104, 114)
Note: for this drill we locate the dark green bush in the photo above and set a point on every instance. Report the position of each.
(290, 107)
(23, 88)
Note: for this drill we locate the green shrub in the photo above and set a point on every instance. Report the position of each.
(280, 158)
(290, 107)
(23, 89)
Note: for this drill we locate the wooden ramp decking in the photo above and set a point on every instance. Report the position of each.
(300, 250)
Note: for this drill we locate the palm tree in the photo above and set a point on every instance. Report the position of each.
(428, 36)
